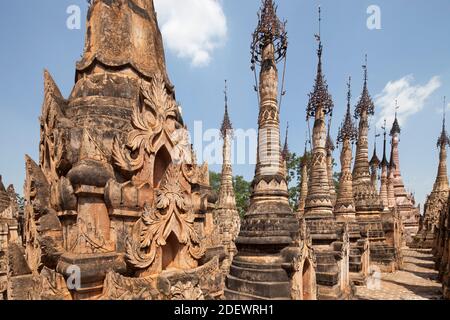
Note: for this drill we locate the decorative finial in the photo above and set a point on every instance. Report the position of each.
(348, 129)
(320, 97)
(226, 94)
(226, 123)
(320, 20)
(270, 30)
(365, 66)
(384, 162)
(397, 107)
(319, 38)
(444, 139)
(396, 126)
(375, 161)
(365, 104)
(445, 109)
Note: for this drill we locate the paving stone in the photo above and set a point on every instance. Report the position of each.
(416, 281)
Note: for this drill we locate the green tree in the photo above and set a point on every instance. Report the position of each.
(242, 192)
(214, 181)
(293, 163)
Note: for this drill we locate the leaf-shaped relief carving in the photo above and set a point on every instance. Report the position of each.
(187, 291)
(151, 126)
(173, 213)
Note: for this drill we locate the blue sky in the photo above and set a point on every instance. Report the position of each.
(408, 60)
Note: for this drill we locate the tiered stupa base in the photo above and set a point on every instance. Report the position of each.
(332, 251)
(359, 255)
(257, 271)
(382, 255)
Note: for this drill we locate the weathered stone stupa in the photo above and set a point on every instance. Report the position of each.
(274, 260)
(344, 209)
(367, 200)
(117, 197)
(9, 232)
(404, 201)
(330, 239)
(226, 215)
(437, 200)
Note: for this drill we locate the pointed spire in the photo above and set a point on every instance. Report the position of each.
(375, 162)
(348, 128)
(270, 30)
(384, 162)
(365, 104)
(319, 97)
(396, 126)
(226, 123)
(320, 199)
(444, 139)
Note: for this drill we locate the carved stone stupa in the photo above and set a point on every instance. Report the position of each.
(116, 192)
(344, 209)
(226, 215)
(330, 239)
(437, 200)
(367, 200)
(9, 232)
(404, 200)
(274, 260)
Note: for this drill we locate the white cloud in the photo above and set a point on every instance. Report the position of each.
(411, 98)
(192, 29)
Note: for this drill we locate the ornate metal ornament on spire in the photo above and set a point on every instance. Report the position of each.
(365, 103)
(396, 126)
(444, 139)
(384, 161)
(348, 128)
(227, 127)
(270, 29)
(319, 97)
